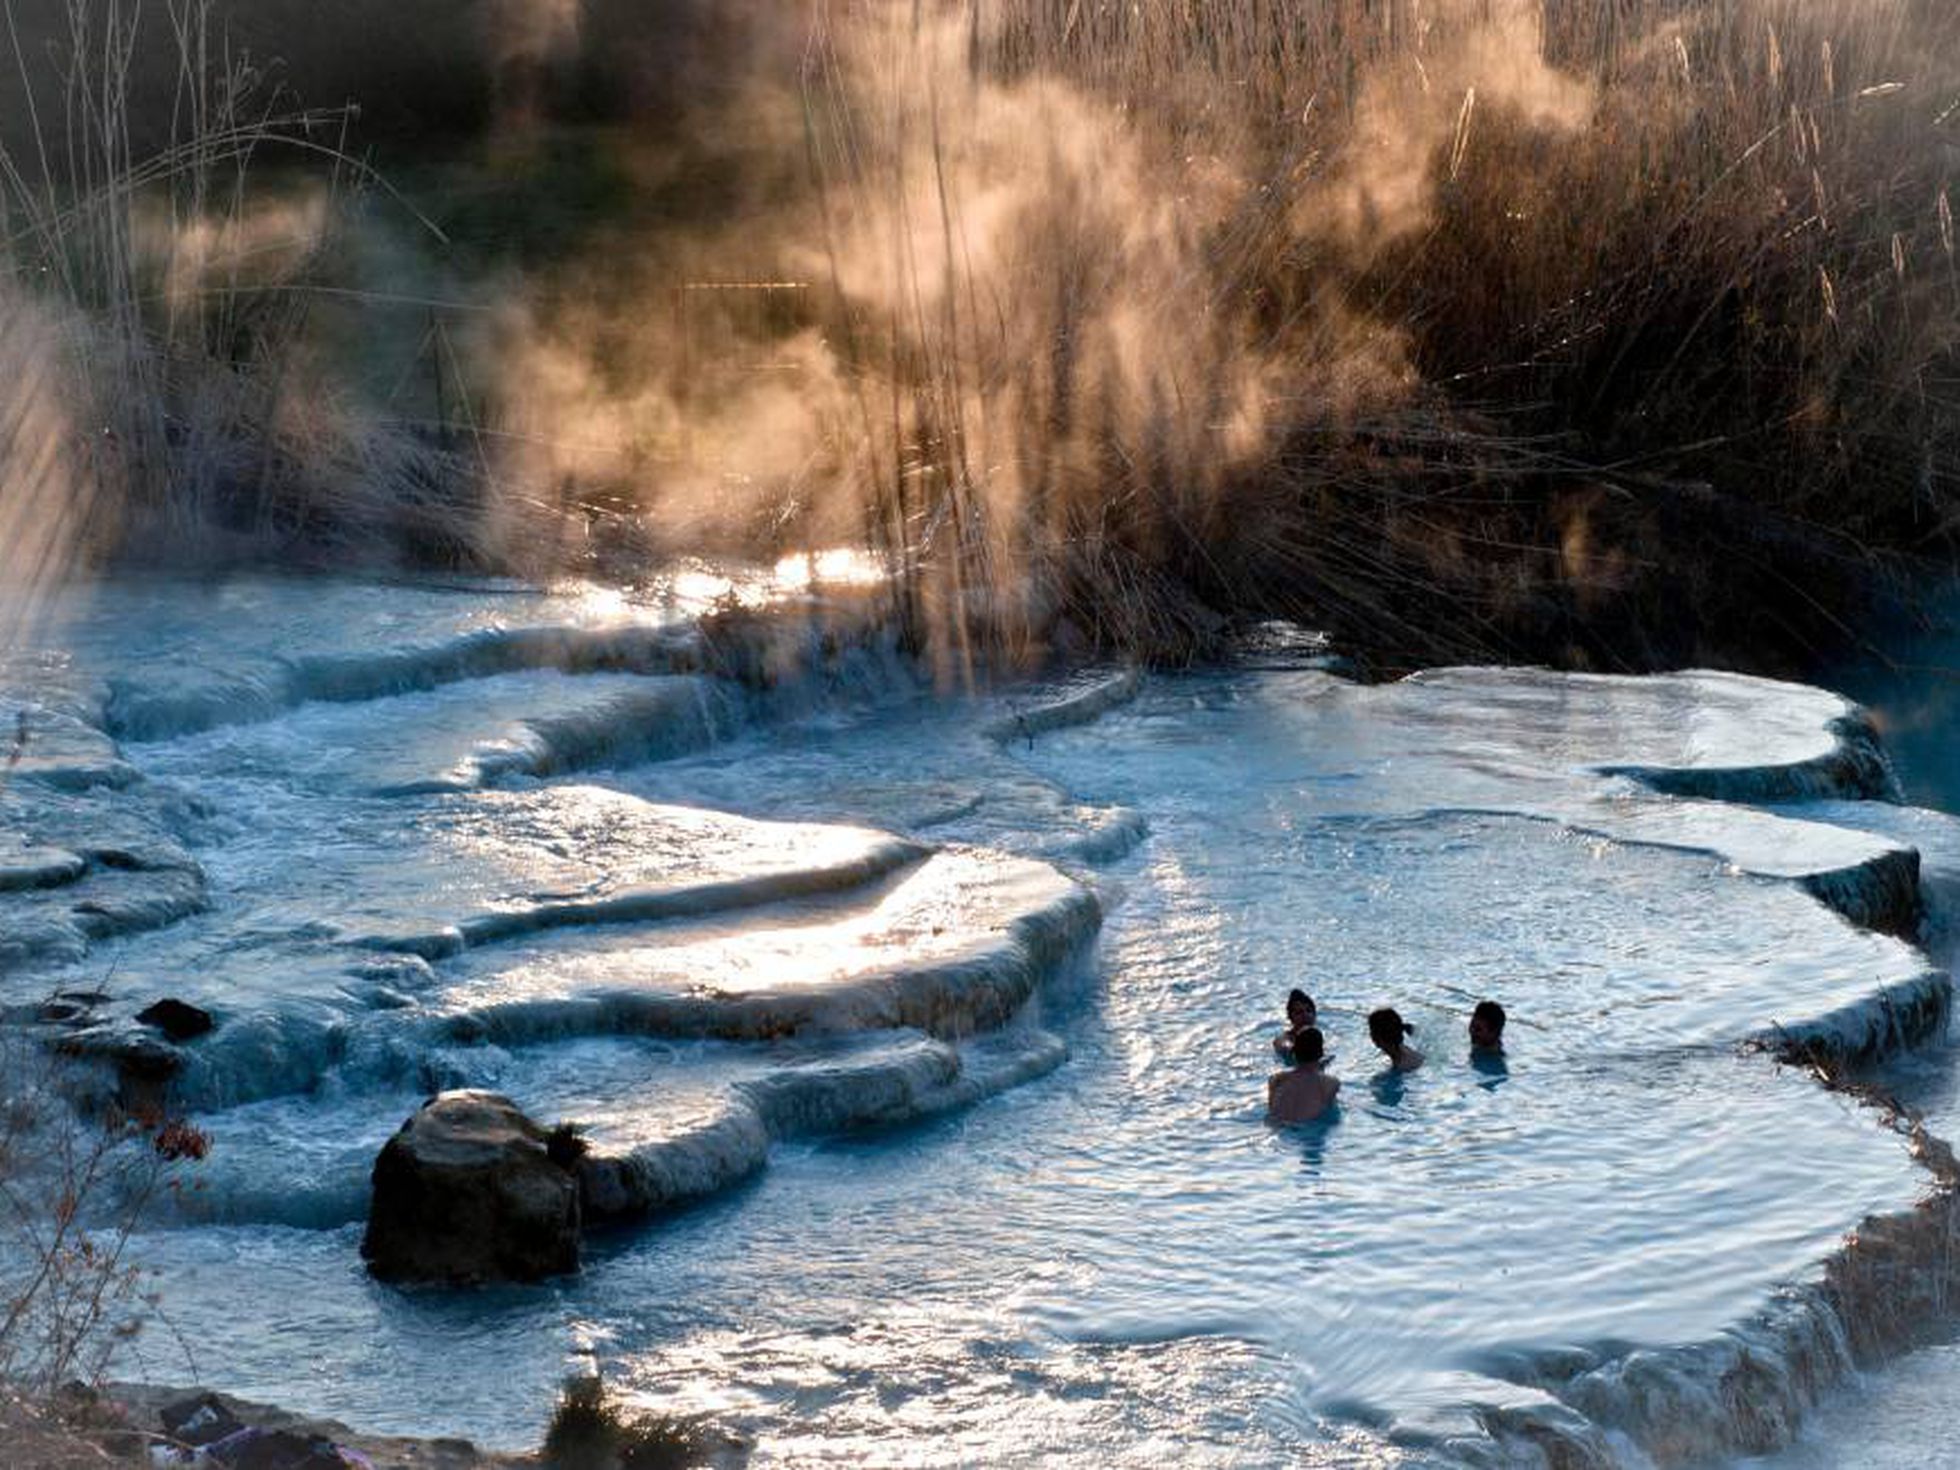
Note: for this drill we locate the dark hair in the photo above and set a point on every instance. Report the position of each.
(1491, 1014)
(1300, 998)
(1386, 1028)
(1308, 1045)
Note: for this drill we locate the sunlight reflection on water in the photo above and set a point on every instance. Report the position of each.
(1119, 1262)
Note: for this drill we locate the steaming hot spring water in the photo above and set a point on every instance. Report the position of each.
(932, 1030)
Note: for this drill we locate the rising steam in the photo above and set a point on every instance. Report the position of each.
(1067, 311)
(50, 488)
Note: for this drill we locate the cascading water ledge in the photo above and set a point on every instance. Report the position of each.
(94, 863)
(1934, 835)
(1892, 1019)
(953, 944)
(170, 701)
(1081, 701)
(1870, 881)
(622, 1180)
(958, 945)
(1855, 767)
(1743, 1393)
(58, 748)
(656, 903)
(665, 1126)
(672, 717)
(795, 654)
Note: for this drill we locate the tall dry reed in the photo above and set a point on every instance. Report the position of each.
(1615, 333)
(162, 399)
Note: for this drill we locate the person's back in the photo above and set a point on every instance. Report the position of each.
(1303, 1092)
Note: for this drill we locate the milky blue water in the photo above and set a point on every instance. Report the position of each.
(1057, 1228)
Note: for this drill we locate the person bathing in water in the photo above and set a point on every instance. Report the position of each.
(1300, 1014)
(1386, 1028)
(1305, 1092)
(1487, 1028)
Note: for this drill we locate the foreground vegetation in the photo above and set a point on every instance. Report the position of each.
(1615, 335)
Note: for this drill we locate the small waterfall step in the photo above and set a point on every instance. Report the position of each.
(659, 920)
(1934, 835)
(955, 945)
(667, 1122)
(80, 866)
(432, 875)
(383, 887)
(1718, 736)
(618, 860)
(200, 677)
(1862, 874)
(456, 737)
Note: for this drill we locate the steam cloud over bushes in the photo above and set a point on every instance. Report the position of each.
(1612, 334)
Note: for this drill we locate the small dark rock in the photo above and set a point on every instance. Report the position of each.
(176, 1019)
(199, 1420)
(467, 1030)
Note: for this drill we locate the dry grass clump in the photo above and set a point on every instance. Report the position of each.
(591, 1431)
(74, 1191)
(177, 409)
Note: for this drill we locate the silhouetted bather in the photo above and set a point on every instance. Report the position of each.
(1300, 1014)
(1386, 1028)
(1304, 1092)
(1487, 1027)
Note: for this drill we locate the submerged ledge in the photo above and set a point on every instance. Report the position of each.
(1895, 1277)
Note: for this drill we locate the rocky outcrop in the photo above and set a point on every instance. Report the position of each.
(469, 1191)
(177, 1019)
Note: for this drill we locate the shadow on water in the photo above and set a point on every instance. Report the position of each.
(1389, 1087)
(1493, 1069)
(1311, 1139)
(1912, 688)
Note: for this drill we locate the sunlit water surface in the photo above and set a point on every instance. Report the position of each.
(1117, 1261)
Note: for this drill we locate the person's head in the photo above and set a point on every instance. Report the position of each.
(1386, 1028)
(1487, 1026)
(1300, 1009)
(1309, 1046)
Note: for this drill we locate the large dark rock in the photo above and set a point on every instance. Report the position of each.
(467, 1191)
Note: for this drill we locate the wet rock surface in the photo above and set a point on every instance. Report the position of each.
(468, 1192)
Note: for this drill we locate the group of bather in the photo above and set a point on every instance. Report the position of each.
(1304, 1090)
